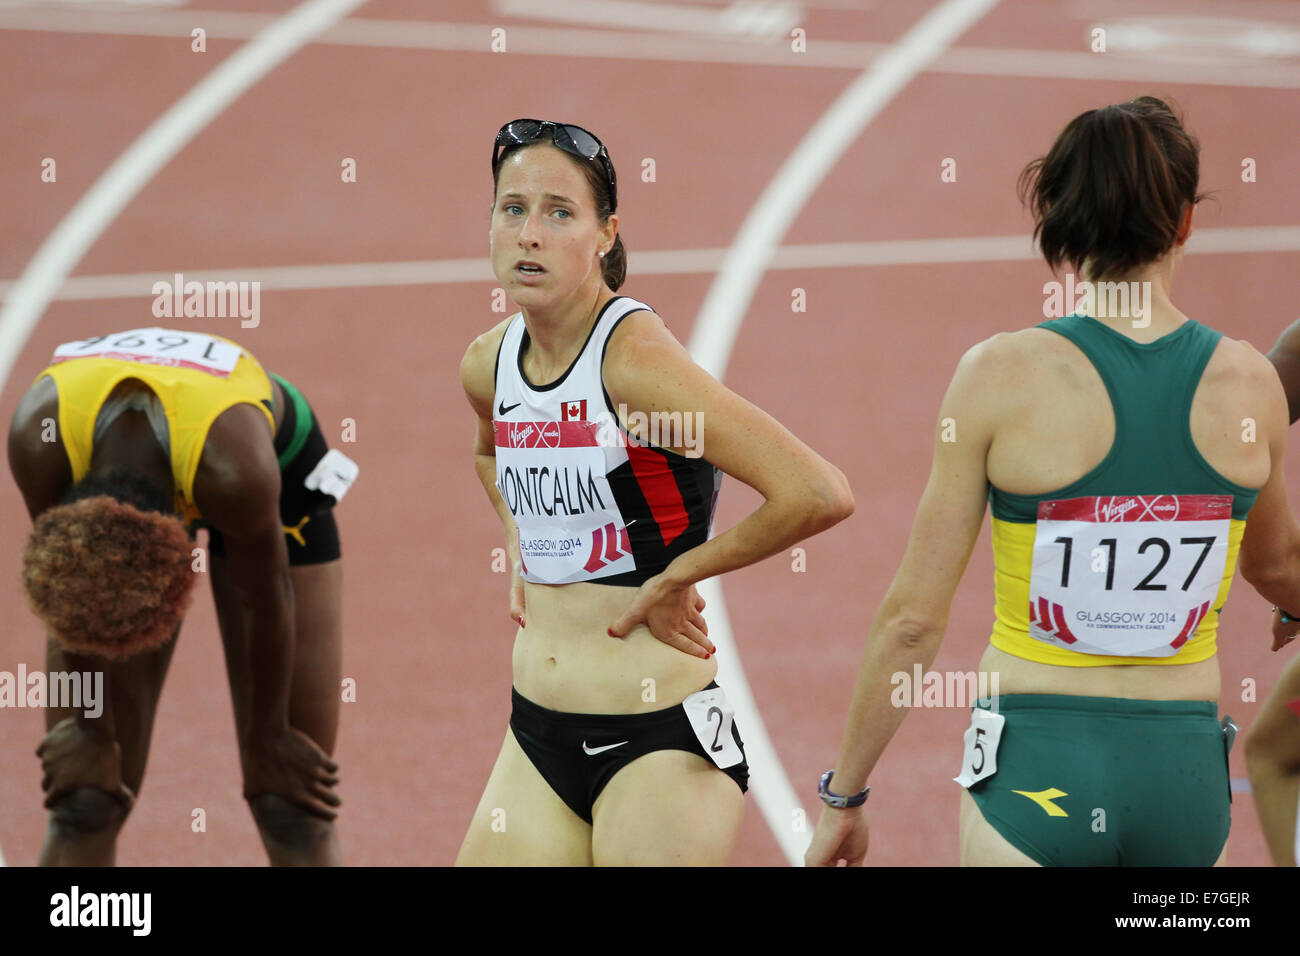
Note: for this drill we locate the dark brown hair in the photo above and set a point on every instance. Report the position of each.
(109, 570)
(1112, 190)
(613, 266)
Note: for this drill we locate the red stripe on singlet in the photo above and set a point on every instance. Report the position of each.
(659, 486)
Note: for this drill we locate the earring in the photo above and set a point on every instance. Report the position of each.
(602, 255)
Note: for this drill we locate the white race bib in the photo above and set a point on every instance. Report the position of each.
(1129, 576)
(980, 758)
(156, 346)
(570, 526)
(710, 716)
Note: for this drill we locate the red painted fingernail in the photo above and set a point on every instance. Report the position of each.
(521, 621)
(610, 632)
(707, 655)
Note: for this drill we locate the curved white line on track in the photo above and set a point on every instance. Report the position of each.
(724, 309)
(80, 228)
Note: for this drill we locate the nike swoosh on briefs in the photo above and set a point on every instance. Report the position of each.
(592, 751)
(504, 409)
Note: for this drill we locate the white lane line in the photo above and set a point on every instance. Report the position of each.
(724, 310)
(1226, 69)
(768, 19)
(78, 230)
(819, 255)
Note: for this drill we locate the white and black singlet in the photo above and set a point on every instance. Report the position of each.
(591, 502)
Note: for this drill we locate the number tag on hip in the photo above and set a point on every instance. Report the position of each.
(710, 716)
(982, 738)
(333, 475)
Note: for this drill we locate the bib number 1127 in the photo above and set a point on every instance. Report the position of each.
(1127, 576)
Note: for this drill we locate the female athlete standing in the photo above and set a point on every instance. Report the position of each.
(1122, 454)
(120, 443)
(620, 748)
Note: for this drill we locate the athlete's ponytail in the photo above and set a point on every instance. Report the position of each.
(614, 265)
(1111, 193)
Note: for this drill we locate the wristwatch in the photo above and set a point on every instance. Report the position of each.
(834, 799)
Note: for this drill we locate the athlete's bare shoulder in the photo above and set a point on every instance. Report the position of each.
(37, 458)
(1004, 358)
(642, 342)
(238, 474)
(1239, 357)
(1243, 376)
(41, 402)
(478, 367)
(1240, 368)
(639, 327)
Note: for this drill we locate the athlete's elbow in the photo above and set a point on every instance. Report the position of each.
(831, 500)
(1267, 578)
(911, 632)
(1263, 762)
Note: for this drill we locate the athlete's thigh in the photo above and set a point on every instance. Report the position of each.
(133, 687)
(667, 808)
(981, 844)
(521, 822)
(317, 650)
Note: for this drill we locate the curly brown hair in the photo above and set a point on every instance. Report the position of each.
(106, 576)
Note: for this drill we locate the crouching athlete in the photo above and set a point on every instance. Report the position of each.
(122, 448)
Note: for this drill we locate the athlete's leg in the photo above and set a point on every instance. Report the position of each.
(520, 821)
(667, 808)
(981, 844)
(292, 835)
(84, 824)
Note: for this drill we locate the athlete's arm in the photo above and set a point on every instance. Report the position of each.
(647, 370)
(1270, 546)
(88, 754)
(1273, 762)
(39, 466)
(913, 615)
(477, 373)
(1285, 356)
(237, 489)
(910, 622)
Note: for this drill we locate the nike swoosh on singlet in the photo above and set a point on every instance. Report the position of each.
(592, 751)
(504, 409)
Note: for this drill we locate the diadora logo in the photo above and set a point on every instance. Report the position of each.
(534, 434)
(1045, 798)
(1138, 508)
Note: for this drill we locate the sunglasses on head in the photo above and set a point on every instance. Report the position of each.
(570, 138)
